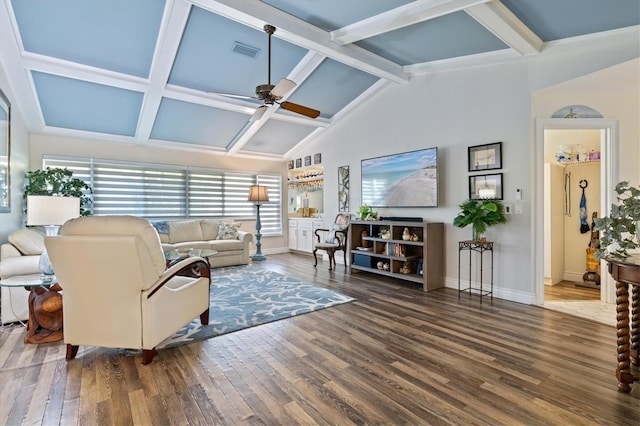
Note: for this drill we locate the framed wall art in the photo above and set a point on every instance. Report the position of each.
(343, 188)
(485, 157)
(486, 186)
(307, 160)
(317, 158)
(298, 162)
(290, 164)
(5, 149)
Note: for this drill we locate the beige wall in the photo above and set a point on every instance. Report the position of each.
(52, 145)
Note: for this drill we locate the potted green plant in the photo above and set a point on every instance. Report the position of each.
(366, 213)
(620, 231)
(58, 181)
(480, 214)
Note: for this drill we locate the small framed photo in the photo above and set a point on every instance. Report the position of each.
(307, 160)
(485, 157)
(317, 158)
(290, 164)
(486, 186)
(298, 162)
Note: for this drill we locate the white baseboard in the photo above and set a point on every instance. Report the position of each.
(499, 293)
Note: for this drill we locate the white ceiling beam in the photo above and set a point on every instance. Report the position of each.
(256, 14)
(24, 96)
(400, 17)
(174, 20)
(498, 19)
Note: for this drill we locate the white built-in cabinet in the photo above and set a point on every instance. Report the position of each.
(301, 233)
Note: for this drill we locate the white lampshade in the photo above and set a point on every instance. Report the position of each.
(258, 194)
(44, 210)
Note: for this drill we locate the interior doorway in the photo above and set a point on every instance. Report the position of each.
(607, 130)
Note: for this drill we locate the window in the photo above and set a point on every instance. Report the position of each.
(157, 191)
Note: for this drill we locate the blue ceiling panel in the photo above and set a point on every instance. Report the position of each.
(180, 121)
(81, 105)
(278, 137)
(331, 87)
(554, 20)
(116, 35)
(449, 36)
(330, 15)
(206, 61)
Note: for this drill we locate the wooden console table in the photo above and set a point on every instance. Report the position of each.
(627, 272)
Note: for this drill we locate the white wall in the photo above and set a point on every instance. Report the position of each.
(457, 109)
(19, 162)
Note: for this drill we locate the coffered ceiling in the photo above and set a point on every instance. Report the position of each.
(154, 72)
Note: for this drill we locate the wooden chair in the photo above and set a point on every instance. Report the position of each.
(335, 241)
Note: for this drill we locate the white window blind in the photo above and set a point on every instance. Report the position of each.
(160, 191)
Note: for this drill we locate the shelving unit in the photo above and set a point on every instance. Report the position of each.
(420, 261)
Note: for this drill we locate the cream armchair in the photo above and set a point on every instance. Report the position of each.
(116, 291)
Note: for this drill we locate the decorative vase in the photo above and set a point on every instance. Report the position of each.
(477, 235)
(364, 243)
(405, 234)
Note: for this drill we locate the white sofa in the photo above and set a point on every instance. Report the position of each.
(232, 245)
(19, 256)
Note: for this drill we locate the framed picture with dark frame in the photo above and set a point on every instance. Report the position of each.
(307, 160)
(298, 162)
(485, 157)
(485, 186)
(317, 158)
(290, 164)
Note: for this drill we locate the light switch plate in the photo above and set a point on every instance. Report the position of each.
(518, 208)
(508, 208)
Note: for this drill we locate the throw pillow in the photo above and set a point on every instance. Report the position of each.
(331, 238)
(228, 231)
(29, 242)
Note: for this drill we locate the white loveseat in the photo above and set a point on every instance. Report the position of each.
(232, 245)
(19, 256)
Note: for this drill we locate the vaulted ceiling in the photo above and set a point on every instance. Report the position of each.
(157, 73)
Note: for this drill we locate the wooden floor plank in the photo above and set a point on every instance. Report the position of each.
(396, 355)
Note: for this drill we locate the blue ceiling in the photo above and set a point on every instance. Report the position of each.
(161, 72)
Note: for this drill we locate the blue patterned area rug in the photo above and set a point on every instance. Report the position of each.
(246, 296)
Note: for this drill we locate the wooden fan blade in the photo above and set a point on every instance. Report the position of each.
(259, 113)
(283, 87)
(300, 109)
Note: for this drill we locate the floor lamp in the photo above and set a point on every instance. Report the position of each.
(258, 195)
(50, 212)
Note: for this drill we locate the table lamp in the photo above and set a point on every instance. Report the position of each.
(258, 195)
(50, 212)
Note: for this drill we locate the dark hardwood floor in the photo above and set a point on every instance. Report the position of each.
(569, 290)
(395, 356)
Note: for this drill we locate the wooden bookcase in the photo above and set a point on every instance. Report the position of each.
(402, 257)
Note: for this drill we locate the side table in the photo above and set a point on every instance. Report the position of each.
(627, 272)
(479, 247)
(45, 307)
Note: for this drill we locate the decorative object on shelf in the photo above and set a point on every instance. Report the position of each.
(343, 188)
(5, 151)
(385, 234)
(258, 195)
(405, 268)
(414, 237)
(485, 157)
(480, 214)
(380, 265)
(364, 243)
(307, 160)
(385, 266)
(50, 212)
(366, 213)
(620, 231)
(486, 186)
(405, 234)
(317, 158)
(413, 175)
(59, 182)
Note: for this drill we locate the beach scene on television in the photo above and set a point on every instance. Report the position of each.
(408, 179)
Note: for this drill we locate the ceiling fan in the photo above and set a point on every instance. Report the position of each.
(271, 94)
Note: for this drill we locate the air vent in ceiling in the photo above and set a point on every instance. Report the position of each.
(246, 50)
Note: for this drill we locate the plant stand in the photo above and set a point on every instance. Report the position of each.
(479, 247)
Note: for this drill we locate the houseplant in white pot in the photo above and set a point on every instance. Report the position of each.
(480, 214)
(620, 231)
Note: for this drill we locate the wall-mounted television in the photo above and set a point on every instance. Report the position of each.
(409, 179)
